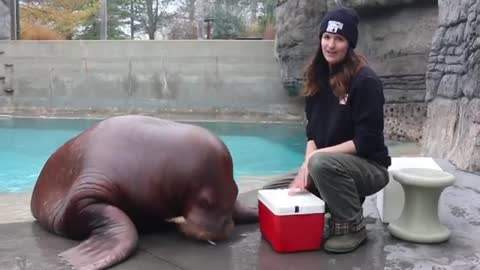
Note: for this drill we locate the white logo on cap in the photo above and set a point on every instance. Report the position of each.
(334, 26)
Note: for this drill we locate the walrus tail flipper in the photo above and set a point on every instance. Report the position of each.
(112, 239)
(243, 214)
(280, 182)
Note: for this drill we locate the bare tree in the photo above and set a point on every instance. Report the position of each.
(200, 16)
(187, 11)
(253, 11)
(152, 14)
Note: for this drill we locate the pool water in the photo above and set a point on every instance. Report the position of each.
(256, 148)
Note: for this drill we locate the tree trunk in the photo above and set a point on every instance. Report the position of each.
(103, 20)
(191, 19)
(132, 22)
(200, 17)
(151, 27)
(253, 10)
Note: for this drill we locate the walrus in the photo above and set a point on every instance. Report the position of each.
(129, 173)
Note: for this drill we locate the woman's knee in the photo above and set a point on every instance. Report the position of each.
(320, 163)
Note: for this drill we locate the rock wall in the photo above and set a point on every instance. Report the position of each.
(397, 41)
(395, 36)
(296, 39)
(452, 128)
(4, 19)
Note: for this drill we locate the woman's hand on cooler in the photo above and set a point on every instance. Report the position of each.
(300, 181)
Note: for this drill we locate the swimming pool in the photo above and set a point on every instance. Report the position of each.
(256, 148)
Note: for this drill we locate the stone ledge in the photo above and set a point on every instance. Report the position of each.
(15, 207)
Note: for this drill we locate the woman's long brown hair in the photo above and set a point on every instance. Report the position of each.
(339, 79)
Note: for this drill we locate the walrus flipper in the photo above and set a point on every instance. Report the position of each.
(243, 214)
(112, 239)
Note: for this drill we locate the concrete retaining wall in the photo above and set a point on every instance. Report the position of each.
(214, 79)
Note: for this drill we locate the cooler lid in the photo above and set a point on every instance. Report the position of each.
(281, 203)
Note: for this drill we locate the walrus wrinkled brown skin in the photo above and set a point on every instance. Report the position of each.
(131, 172)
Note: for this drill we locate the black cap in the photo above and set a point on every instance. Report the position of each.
(343, 21)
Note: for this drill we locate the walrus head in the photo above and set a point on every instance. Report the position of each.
(208, 218)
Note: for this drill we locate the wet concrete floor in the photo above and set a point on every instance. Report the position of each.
(24, 245)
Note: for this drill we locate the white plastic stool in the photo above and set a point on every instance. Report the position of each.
(419, 220)
(390, 200)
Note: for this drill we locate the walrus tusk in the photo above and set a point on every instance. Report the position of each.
(211, 242)
(176, 220)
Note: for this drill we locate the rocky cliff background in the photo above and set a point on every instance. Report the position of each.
(396, 38)
(428, 56)
(452, 128)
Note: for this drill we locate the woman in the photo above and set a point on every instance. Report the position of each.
(346, 158)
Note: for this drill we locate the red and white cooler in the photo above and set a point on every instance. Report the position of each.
(291, 223)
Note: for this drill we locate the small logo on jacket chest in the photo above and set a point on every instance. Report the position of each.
(343, 100)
